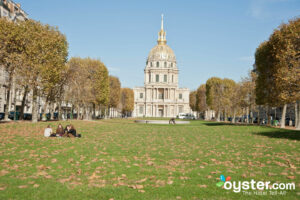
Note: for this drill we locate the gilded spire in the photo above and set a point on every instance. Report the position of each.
(162, 34)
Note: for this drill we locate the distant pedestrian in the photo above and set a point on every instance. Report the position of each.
(172, 121)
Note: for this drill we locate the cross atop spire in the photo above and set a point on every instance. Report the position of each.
(162, 34)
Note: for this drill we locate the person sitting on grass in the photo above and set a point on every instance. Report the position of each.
(60, 131)
(48, 132)
(72, 131)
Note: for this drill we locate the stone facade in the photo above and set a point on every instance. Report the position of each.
(161, 96)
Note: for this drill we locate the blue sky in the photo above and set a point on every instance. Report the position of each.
(209, 37)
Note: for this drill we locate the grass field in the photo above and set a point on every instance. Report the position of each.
(118, 159)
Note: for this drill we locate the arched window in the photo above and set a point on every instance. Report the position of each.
(171, 64)
(165, 64)
(150, 64)
(157, 64)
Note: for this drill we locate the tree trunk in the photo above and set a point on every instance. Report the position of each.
(7, 107)
(233, 119)
(59, 110)
(77, 117)
(258, 116)
(282, 123)
(34, 106)
(247, 115)
(52, 110)
(251, 115)
(218, 116)
(297, 115)
(269, 116)
(23, 102)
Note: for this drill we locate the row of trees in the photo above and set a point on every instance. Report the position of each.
(34, 56)
(226, 97)
(275, 81)
(37, 54)
(277, 63)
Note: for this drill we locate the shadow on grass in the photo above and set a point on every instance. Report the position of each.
(226, 124)
(280, 134)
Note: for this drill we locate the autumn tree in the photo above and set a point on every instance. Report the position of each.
(88, 86)
(115, 92)
(12, 44)
(286, 50)
(127, 101)
(46, 54)
(214, 93)
(265, 89)
(246, 94)
(229, 90)
(201, 105)
(277, 63)
(192, 98)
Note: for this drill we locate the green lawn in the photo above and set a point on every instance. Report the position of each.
(118, 159)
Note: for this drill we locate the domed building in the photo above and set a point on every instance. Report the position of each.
(160, 96)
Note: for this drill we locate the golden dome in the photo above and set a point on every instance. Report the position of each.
(161, 52)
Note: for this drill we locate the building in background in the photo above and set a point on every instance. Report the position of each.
(11, 11)
(160, 96)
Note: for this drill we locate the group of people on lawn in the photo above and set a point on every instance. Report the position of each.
(69, 131)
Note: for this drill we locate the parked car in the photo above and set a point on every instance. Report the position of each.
(12, 115)
(2, 116)
(27, 116)
(186, 116)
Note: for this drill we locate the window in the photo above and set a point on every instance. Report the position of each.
(180, 96)
(171, 64)
(151, 64)
(180, 109)
(172, 78)
(160, 96)
(141, 110)
(157, 77)
(149, 78)
(141, 95)
(165, 64)
(165, 78)
(157, 64)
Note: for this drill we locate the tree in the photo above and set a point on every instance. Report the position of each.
(127, 101)
(88, 86)
(246, 94)
(214, 93)
(277, 62)
(46, 54)
(229, 90)
(12, 44)
(265, 89)
(201, 105)
(286, 50)
(115, 92)
(193, 100)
